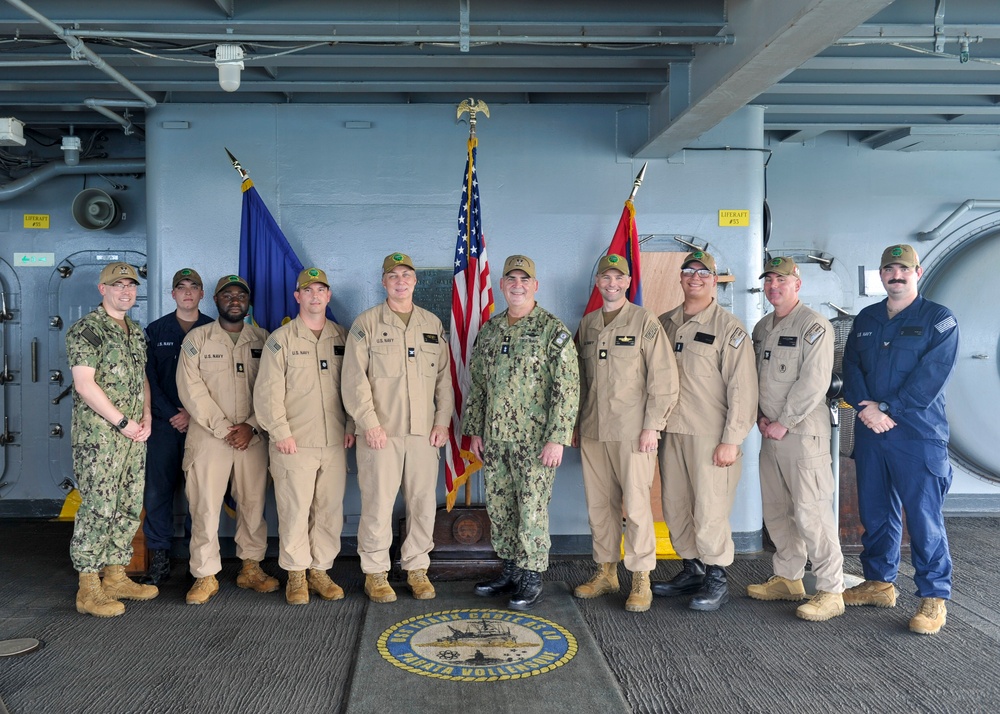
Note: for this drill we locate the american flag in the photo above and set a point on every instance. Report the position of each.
(471, 306)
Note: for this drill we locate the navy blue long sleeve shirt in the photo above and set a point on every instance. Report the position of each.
(905, 362)
(163, 347)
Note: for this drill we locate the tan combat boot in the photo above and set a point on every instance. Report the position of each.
(119, 586)
(251, 577)
(871, 592)
(297, 589)
(420, 584)
(641, 596)
(930, 617)
(377, 588)
(92, 600)
(202, 590)
(321, 584)
(778, 588)
(821, 607)
(605, 580)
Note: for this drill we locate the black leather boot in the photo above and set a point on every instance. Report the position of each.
(504, 584)
(159, 568)
(714, 592)
(686, 582)
(530, 592)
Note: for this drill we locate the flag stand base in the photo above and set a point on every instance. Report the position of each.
(462, 547)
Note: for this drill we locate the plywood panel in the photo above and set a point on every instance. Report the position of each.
(661, 291)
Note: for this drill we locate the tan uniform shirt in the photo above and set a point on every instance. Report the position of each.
(795, 361)
(398, 376)
(298, 392)
(628, 376)
(215, 379)
(718, 382)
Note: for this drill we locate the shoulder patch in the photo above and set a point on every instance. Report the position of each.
(561, 338)
(90, 336)
(189, 349)
(272, 345)
(814, 333)
(946, 324)
(651, 330)
(737, 337)
(358, 334)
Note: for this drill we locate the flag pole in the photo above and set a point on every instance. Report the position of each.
(242, 172)
(635, 185)
(473, 107)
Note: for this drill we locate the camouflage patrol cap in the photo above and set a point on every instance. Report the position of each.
(519, 262)
(226, 280)
(187, 274)
(782, 265)
(699, 256)
(113, 272)
(902, 254)
(309, 276)
(391, 261)
(613, 261)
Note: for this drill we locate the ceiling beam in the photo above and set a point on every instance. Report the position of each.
(770, 45)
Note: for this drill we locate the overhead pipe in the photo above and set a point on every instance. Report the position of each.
(101, 107)
(77, 46)
(415, 39)
(60, 168)
(948, 222)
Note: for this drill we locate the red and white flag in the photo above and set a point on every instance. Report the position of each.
(471, 306)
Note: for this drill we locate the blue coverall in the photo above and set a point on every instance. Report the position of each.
(906, 363)
(165, 448)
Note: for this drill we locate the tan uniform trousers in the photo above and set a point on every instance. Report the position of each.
(205, 485)
(796, 484)
(309, 492)
(698, 498)
(409, 461)
(616, 472)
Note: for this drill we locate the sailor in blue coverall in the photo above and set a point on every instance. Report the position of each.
(165, 448)
(897, 361)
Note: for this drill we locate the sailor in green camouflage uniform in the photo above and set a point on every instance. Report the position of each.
(111, 422)
(522, 407)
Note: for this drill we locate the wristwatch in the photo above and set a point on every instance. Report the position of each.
(123, 422)
(254, 430)
(883, 407)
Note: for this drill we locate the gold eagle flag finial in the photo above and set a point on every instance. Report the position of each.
(473, 107)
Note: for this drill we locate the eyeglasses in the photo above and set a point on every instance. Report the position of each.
(700, 272)
(121, 287)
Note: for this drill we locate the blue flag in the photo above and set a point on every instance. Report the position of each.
(267, 262)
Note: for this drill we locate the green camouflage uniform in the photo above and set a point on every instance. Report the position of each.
(525, 392)
(109, 467)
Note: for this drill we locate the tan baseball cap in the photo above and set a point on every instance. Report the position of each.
(113, 272)
(227, 280)
(613, 261)
(311, 275)
(187, 274)
(782, 265)
(519, 262)
(702, 257)
(391, 261)
(902, 254)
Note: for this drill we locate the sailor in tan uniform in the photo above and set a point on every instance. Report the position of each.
(397, 388)
(298, 403)
(215, 379)
(700, 458)
(794, 346)
(628, 385)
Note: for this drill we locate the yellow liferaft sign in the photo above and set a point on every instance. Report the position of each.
(732, 219)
